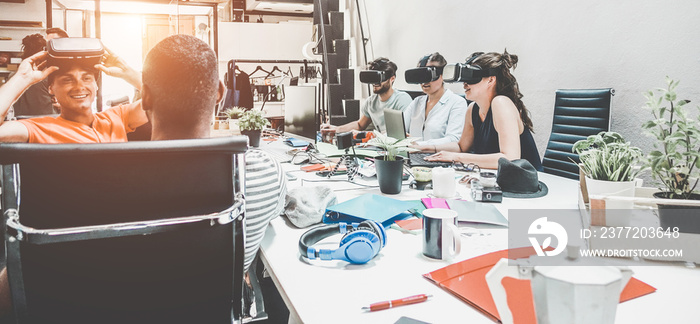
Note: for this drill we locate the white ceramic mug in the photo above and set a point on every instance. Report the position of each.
(444, 184)
(441, 239)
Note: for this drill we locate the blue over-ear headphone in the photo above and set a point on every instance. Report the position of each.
(361, 242)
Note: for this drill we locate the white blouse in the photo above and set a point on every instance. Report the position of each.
(444, 123)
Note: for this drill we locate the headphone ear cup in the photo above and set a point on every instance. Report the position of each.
(363, 243)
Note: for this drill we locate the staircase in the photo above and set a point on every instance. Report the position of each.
(335, 50)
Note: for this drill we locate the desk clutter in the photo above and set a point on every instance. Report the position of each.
(363, 220)
(467, 281)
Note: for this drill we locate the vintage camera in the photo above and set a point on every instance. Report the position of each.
(486, 194)
(344, 140)
(347, 140)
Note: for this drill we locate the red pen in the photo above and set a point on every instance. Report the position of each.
(397, 302)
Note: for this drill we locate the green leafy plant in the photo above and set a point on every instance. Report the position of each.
(233, 112)
(675, 161)
(390, 145)
(606, 156)
(252, 120)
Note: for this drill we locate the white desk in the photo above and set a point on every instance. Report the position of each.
(334, 291)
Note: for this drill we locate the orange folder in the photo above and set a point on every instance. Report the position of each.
(467, 281)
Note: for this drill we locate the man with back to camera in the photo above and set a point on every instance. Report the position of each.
(180, 105)
(384, 97)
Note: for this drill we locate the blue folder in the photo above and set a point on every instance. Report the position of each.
(295, 142)
(382, 209)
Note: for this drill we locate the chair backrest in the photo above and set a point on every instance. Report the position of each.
(578, 113)
(414, 94)
(187, 271)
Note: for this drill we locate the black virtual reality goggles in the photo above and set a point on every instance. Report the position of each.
(467, 73)
(424, 74)
(374, 76)
(74, 50)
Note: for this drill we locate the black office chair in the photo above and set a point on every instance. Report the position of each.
(145, 232)
(414, 94)
(578, 114)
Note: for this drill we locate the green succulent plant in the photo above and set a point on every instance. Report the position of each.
(675, 160)
(233, 112)
(252, 120)
(607, 156)
(390, 145)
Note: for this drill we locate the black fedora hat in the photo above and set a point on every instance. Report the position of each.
(518, 179)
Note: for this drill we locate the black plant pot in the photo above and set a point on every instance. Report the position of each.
(389, 174)
(253, 137)
(686, 218)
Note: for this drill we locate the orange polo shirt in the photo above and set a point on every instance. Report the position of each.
(110, 125)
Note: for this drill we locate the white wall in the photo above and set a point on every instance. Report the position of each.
(627, 45)
(31, 10)
(254, 41)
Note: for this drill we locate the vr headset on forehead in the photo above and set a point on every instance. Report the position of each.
(374, 77)
(465, 72)
(81, 51)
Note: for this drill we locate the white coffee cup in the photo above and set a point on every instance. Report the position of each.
(441, 239)
(444, 184)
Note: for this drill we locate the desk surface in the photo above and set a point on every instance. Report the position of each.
(334, 291)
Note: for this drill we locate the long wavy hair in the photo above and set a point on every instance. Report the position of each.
(506, 84)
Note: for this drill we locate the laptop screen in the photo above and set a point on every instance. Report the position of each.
(395, 127)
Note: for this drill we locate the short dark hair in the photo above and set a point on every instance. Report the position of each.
(32, 44)
(181, 74)
(383, 64)
(434, 57)
(56, 30)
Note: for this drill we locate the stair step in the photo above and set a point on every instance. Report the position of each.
(342, 49)
(352, 109)
(328, 6)
(351, 112)
(337, 24)
(336, 94)
(328, 41)
(347, 78)
(332, 5)
(332, 64)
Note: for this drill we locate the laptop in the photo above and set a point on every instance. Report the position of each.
(395, 127)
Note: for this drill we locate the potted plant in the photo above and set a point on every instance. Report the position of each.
(233, 114)
(390, 165)
(675, 160)
(610, 166)
(251, 124)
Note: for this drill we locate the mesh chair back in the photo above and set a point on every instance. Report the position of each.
(578, 114)
(174, 276)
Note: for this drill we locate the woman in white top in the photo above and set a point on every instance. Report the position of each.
(438, 116)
